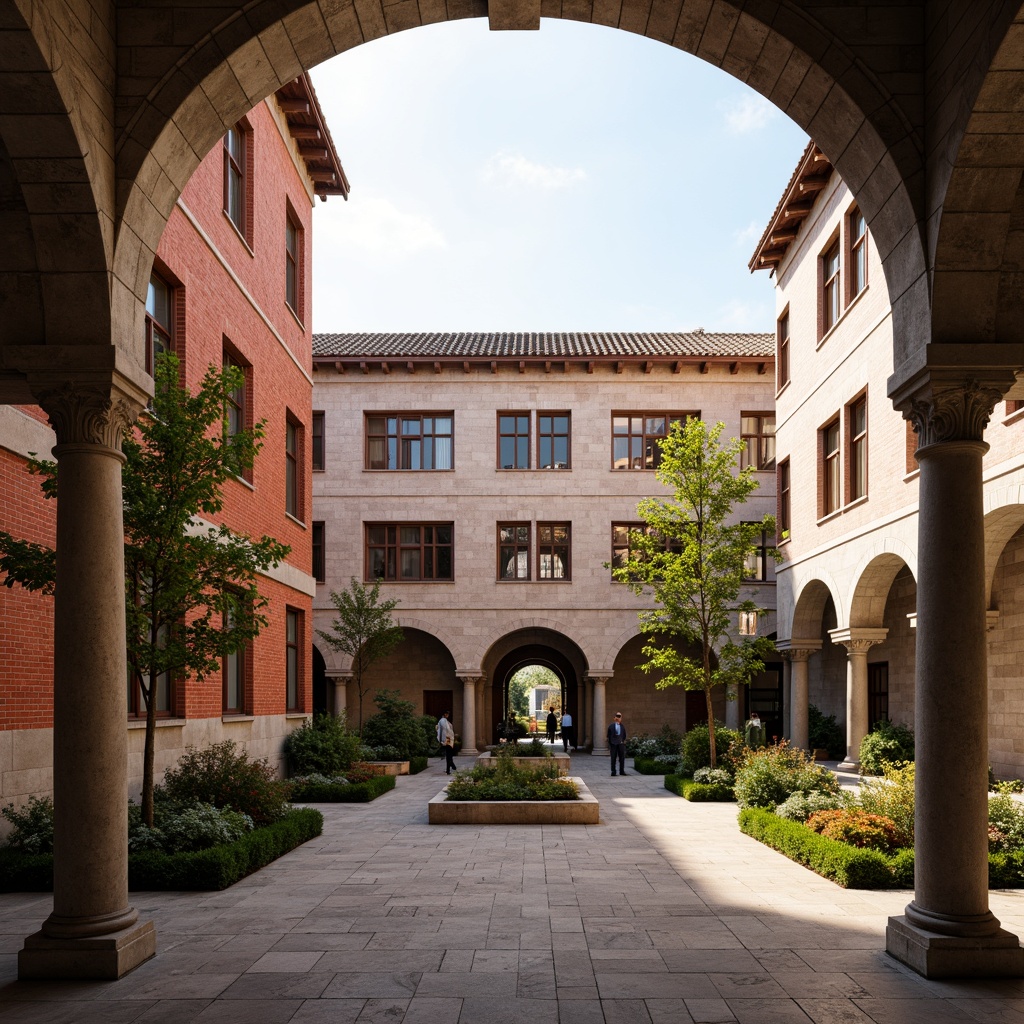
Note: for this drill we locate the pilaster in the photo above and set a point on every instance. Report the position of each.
(797, 654)
(857, 640)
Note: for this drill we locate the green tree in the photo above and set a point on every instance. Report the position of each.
(691, 556)
(191, 594)
(364, 630)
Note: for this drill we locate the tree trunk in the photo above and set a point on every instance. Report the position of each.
(149, 751)
(711, 726)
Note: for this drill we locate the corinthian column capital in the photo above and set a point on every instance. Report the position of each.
(87, 409)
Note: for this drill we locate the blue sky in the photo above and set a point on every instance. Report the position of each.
(575, 178)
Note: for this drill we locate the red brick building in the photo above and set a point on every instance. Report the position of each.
(231, 284)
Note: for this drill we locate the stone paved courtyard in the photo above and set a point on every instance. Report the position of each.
(662, 914)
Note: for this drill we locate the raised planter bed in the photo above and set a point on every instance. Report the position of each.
(583, 811)
(561, 760)
(387, 767)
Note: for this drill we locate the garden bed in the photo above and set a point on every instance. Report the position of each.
(387, 767)
(197, 871)
(582, 811)
(651, 766)
(343, 793)
(698, 792)
(561, 760)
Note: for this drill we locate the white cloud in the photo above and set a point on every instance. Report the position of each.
(749, 235)
(507, 169)
(747, 114)
(377, 226)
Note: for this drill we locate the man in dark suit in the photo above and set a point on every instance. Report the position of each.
(617, 743)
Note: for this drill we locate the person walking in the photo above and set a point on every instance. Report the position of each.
(551, 725)
(566, 731)
(446, 737)
(617, 743)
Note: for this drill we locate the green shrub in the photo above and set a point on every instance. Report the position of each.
(800, 806)
(893, 797)
(214, 868)
(824, 731)
(221, 776)
(397, 725)
(338, 791)
(713, 777)
(649, 766)
(902, 864)
(856, 827)
(33, 825)
(769, 776)
(418, 764)
(1006, 820)
(696, 746)
(847, 866)
(1008, 786)
(324, 745)
(535, 748)
(698, 792)
(387, 753)
(667, 741)
(505, 780)
(886, 742)
(178, 829)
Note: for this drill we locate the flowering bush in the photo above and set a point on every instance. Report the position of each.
(856, 828)
(505, 780)
(33, 825)
(800, 806)
(713, 776)
(885, 743)
(1006, 821)
(767, 777)
(893, 797)
(183, 829)
(226, 778)
(696, 746)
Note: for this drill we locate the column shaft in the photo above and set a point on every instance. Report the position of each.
(469, 715)
(856, 702)
(798, 733)
(598, 724)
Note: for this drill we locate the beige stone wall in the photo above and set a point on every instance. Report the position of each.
(589, 619)
(898, 648)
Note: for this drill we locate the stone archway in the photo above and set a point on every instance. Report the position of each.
(521, 657)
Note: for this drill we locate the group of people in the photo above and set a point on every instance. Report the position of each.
(616, 739)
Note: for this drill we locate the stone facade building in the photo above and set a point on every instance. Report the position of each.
(486, 479)
(847, 584)
(230, 284)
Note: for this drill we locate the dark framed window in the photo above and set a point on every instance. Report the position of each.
(831, 301)
(1013, 405)
(293, 264)
(292, 474)
(236, 186)
(857, 447)
(292, 622)
(783, 521)
(409, 552)
(237, 414)
(235, 672)
(755, 566)
(410, 441)
(857, 232)
(782, 352)
(513, 551)
(554, 551)
(159, 320)
(757, 430)
(319, 552)
(317, 440)
(912, 465)
(831, 477)
(513, 440)
(624, 543)
(878, 693)
(553, 440)
(162, 693)
(635, 437)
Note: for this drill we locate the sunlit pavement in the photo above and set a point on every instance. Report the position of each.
(664, 913)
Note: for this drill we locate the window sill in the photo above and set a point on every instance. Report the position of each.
(297, 522)
(855, 503)
(368, 470)
(297, 714)
(830, 516)
(228, 719)
(241, 237)
(298, 319)
(161, 723)
(785, 387)
(842, 316)
(429, 583)
(246, 483)
(1013, 417)
(912, 475)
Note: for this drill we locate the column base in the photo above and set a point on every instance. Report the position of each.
(846, 765)
(106, 957)
(600, 752)
(468, 751)
(951, 956)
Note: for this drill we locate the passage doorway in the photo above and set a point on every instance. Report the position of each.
(529, 681)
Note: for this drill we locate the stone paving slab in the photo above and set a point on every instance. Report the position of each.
(661, 914)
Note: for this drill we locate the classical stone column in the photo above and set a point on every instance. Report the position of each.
(581, 717)
(340, 680)
(732, 710)
(93, 932)
(469, 714)
(797, 654)
(948, 929)
(787, 700)
(857, 641)
(599, 725)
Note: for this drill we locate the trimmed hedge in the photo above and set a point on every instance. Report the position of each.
(344, 793)
(418, 764)
(648, 766)
(198, 871)
(698, 792)
(847, 866)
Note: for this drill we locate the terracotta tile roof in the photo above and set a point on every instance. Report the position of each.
(510, 345)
